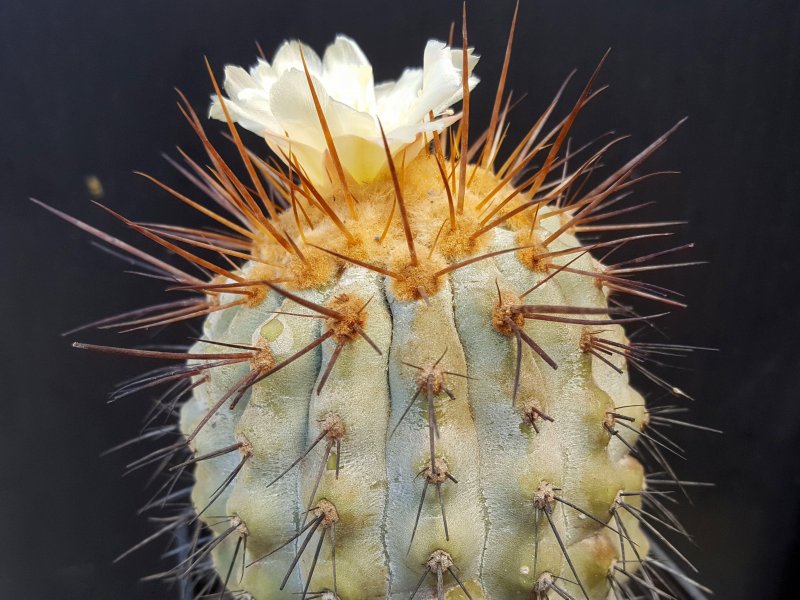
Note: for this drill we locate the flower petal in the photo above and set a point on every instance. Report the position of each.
(293, 108)
(441, 81)
(247, 114)
(263, 74)
(274, 101)
(347, 75)
(408, 133)
(237, 81)
(288, 57)
(395, 98)
(362, 158)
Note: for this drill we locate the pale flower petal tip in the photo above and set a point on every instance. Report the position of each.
(273, 100)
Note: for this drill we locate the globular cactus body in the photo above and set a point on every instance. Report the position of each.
(433, 374)
(414, 383)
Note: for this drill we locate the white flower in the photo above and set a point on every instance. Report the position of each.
(274, 101)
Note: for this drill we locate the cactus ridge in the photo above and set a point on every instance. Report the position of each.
(416, 386)
(456, 394)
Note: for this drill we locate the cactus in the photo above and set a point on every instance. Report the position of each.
(414, 382)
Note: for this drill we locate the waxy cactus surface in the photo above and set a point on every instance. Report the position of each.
(412, 380)
(416, 454)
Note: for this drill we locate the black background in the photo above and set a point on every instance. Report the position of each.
(87, 88)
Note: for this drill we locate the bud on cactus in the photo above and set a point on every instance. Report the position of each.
(414, 382)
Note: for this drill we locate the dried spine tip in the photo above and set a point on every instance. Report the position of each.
(506, 314)
(433, 378)
(611, 419)
(439, 561)
(532, 251)
(585, 343)
(544, 498)
(543, 584)
(458, 242)
(327, 511)
(350, 320)
(245, 448)
(532, 414)
(333, 427)
(262, 359)
(241, 528)
(438, 473)
(418, 281)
